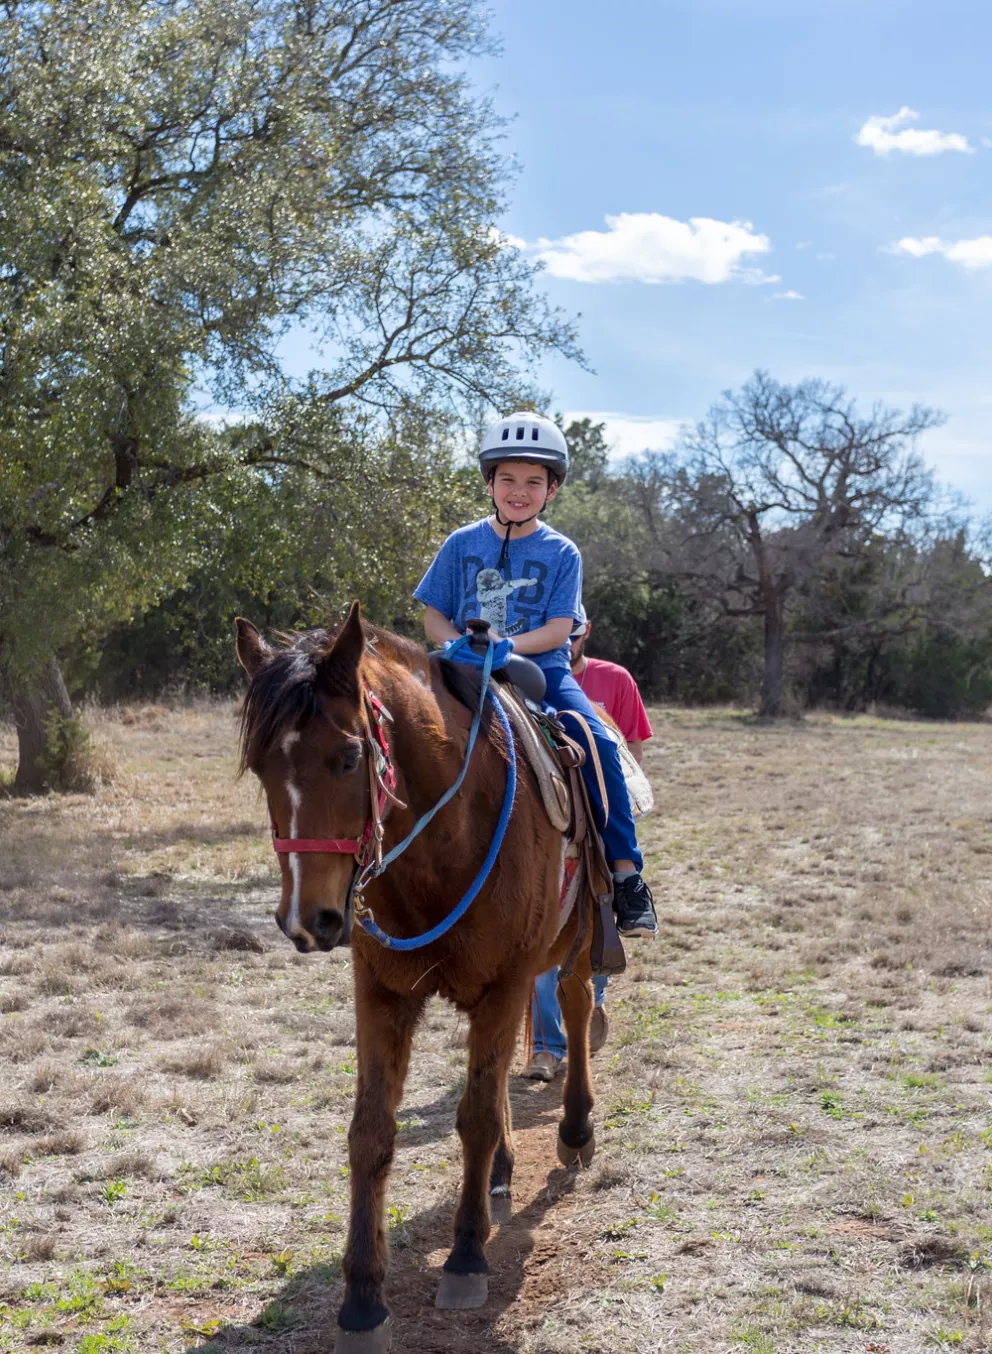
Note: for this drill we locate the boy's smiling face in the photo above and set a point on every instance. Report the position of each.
(519, 489)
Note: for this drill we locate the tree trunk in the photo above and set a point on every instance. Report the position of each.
(772, 681)
(33, 702)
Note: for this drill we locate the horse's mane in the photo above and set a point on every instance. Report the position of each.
(464, 683)
(390, 645)
(284, 692)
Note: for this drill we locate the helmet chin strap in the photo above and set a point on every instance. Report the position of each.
(502, 564)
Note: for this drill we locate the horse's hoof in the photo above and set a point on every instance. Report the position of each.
(459, 1292)
(568, 1156)
(374, 1341)
(500, 1209)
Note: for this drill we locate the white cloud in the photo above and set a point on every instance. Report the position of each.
(788, 296)
(975, 253)
(628, 434)
(754, 277)
(918, 246)
(649, 247)
(886, 134)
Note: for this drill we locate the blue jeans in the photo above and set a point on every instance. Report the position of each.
(619, 834)
(549, 1036)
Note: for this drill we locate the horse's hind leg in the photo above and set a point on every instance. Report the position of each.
(576, 1140)
(501, 1175)
(492, 1036)
(384, 1024)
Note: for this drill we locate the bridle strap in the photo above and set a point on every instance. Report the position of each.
(382, 784)
(336, 845)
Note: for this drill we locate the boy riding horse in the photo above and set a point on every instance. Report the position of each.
(534, 604)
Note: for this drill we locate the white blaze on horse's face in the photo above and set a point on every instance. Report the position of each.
(295, 798)
(289, 741)
(316, 789)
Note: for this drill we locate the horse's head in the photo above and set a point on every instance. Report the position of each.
(304, 735)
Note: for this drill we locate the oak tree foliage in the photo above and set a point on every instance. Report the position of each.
(180, 182)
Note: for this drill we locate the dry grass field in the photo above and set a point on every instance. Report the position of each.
(795, 1145)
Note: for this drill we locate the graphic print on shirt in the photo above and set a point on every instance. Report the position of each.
(492, 590)
(493, 593)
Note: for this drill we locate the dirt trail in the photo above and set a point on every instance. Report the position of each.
(533, 1260)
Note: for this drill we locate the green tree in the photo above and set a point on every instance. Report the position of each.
(588, 452)
(294, 554)
(907, 623)
(678, 646)
(179, 183)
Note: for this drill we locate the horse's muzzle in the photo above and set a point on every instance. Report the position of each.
(327, 930)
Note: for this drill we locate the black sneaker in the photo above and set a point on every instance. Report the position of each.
(634, 907)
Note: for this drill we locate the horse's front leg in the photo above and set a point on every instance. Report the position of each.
(501, 1175)
(384, 1027)
(576, 1139)
(480, 1123)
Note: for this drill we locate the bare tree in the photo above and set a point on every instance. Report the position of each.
(778, 484)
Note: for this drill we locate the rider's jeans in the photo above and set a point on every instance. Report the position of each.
(619, 835)
(549, 1036)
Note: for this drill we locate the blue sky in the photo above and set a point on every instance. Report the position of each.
(746, 113)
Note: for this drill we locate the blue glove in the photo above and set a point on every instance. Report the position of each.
(459, 651)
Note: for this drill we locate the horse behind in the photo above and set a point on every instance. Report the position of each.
(325, 711)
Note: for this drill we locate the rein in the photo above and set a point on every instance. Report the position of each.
(370, 861)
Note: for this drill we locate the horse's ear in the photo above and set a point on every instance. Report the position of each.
(338, 669)
(251, 648)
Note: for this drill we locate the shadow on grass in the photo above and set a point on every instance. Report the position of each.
(197, 834)
(532, 1104)
(54, 887)
(302, 1317)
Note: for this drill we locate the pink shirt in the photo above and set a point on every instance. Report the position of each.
(612, 687)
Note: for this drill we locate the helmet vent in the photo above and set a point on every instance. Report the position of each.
(520, 434)
(506, 433)
(534, 435)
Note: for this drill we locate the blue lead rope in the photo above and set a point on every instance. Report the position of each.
(369, 923)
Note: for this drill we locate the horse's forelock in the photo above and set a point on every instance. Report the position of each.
(285, 691)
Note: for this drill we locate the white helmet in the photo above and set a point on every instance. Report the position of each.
(525, 436)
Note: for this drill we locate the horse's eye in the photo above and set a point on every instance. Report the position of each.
(347, 760)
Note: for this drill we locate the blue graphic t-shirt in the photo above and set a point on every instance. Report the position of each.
(541, 581)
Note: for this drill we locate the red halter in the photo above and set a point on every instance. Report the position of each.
(382, 782)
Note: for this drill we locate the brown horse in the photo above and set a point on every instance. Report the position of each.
(340, 774)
